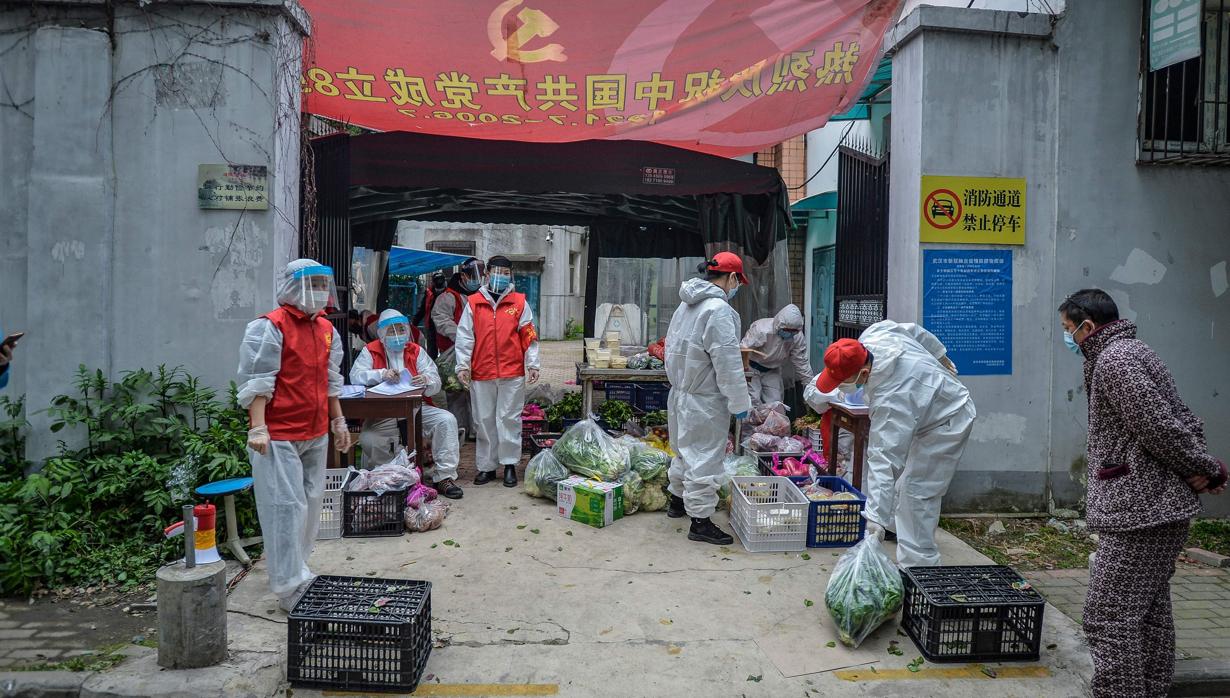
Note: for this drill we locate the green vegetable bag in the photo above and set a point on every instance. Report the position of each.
(587, 450)
(864, 591)
(543, 474)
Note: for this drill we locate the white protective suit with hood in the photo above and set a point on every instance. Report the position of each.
(381, 438)
(773, 353)
(921, 418)
(705, 370)
(289, 480)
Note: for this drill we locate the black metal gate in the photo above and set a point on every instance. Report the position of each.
(324, 223)
(860, 279)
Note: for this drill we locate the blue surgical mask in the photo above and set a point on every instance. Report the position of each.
(396, 342)
(498, 282)
(730, 295)
(1070, 342)
(786, 334)
(470, 285)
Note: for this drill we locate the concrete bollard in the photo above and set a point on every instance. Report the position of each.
(191, 615)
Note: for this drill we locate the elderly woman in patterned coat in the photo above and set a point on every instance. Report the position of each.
(1148, 462)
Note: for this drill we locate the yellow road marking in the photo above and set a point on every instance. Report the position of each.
(971, 671)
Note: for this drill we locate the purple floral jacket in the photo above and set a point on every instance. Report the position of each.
(1143, 441)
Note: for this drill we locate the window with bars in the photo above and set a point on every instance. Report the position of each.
(461, 247)
(1185, 107)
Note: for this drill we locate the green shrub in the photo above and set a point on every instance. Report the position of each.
(96, 513)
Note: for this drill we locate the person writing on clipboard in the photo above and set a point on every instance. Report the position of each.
(921, 419)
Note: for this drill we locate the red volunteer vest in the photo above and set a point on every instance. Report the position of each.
(499, 344)
(443, 343)
(411, 358)
(299, 409)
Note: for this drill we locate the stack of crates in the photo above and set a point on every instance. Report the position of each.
(360, 634)
(331, 505)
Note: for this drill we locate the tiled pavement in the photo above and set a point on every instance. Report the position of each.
(1201, 598)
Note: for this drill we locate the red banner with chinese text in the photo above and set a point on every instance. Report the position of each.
(726, 77)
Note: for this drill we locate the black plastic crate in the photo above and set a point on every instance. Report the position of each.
(360, 634)
(625, 392)
(972, 614)
(651, 397)
(836, 523)
(368, 515)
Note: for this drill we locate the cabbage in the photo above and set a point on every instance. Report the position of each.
(633, 487)
(654, 497)
(649, 462)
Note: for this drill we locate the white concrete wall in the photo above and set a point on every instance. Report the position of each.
(560, 297)
(107, 259)
(1001, 96)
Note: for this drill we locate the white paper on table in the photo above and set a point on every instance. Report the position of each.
(349, 391)
(403, 385)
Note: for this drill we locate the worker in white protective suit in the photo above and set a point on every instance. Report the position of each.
(921, 418)
(774, 342)
(705, 369)
(290, 380)
(497, 353)
(383, 361)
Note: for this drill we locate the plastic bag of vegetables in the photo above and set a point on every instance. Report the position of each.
(639, 362)
(864, 591)
(543, 474)
(743, 466)
(587, 450)
(446, 364)
(649, 462)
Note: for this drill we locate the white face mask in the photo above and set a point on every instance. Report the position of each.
(315, 301)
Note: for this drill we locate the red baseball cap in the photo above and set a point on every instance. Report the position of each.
(842, 361)
(729, 262)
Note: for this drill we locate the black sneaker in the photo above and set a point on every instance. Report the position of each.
(704, 531)
(448, 488)
(510, 476)
(675, 509)
(484, 477)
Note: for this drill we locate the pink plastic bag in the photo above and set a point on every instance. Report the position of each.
(418, 494)
(775, 423)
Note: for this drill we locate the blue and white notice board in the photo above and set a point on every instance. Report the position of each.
(967, 303)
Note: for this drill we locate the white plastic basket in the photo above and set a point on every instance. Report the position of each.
(330, 515)
(769, 514)
(335, 478)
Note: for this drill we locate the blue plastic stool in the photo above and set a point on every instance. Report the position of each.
(227, 489)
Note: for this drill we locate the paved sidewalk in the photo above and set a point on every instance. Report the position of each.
(1201, 597)
(559, 362)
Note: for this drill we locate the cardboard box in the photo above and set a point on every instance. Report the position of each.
(590, 502)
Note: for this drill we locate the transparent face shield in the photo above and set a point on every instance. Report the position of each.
(394, 332)
(499, 278)
(315, 289)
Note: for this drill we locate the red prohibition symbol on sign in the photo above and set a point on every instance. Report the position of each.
(942, 209)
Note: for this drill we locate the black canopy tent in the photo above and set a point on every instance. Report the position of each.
(638, 199)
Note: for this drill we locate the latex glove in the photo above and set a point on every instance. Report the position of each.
(419, 380)
(948, 364)
(258, 439)
(741, 416)
(341, 434)
(532, 376)
(875, 530)
(463, 376)
(390, 376)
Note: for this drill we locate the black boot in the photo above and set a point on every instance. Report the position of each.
(510, 476)
(675, 509)
(448, 488)
(484, 477)
(705, 531)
